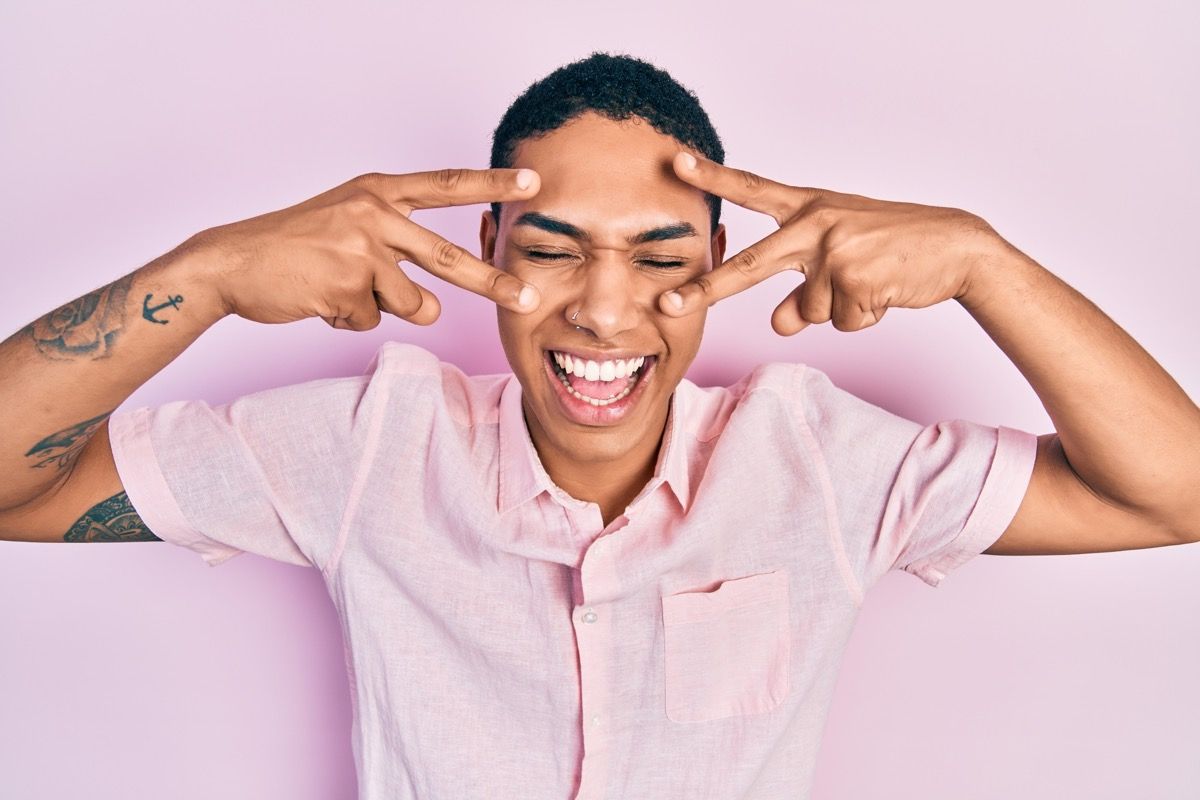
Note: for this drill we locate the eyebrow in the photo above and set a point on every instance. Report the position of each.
(676, 230)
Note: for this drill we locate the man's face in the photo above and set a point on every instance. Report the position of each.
(610, 230)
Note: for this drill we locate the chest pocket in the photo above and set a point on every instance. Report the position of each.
(728, 650)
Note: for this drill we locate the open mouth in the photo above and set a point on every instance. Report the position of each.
(598, 392)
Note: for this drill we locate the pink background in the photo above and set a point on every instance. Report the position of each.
(137, 671)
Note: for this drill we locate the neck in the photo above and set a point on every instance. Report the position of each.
(609, 480)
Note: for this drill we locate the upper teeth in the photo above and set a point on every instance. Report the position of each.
(597, 370)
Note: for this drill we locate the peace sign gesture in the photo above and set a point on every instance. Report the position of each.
(336, 255)
(859, 256)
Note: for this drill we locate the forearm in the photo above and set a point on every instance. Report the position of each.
(1126, 427)
(65, 372)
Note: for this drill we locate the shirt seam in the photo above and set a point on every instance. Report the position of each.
(374, 431)
(829, 497)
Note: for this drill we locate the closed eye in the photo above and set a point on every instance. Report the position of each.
(541, 255)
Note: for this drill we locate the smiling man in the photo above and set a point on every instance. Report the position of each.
(596, 361)
(591, 578)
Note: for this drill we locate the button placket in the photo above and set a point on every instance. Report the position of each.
(593, 635)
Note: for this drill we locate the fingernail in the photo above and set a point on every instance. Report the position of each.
(689, 160)
(526, 296)
(675, 299)
(524, 178)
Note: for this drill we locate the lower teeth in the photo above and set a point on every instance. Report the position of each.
(595, 401)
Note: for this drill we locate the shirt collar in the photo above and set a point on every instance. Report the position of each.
(522, 476)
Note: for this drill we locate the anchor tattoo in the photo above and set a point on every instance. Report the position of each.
(148, 310)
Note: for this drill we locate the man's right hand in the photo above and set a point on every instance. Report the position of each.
(336, 255)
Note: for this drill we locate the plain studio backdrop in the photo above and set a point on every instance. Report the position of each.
(137, 671)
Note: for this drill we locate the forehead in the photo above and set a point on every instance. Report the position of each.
(608, 175)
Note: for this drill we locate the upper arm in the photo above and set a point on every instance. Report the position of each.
(1060, 514)
(88, 505)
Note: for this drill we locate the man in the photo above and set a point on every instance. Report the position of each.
(591, 578)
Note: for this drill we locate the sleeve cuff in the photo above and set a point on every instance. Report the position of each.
(1003, 490)
(147, 489)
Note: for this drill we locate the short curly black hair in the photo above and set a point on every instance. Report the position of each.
(618, 87)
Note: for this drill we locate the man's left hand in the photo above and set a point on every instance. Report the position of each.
(859, 256)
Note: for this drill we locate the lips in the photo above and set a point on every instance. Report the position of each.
(599, 380)
(597, 401)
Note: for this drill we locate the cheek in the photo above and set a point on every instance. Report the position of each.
(516, 331)
(550, 283)
(683, 334)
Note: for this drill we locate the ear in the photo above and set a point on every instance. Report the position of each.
(718, 246)
(487, 237)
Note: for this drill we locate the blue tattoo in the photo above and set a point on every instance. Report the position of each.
(148, 310)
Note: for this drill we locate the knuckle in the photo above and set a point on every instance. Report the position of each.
(363, 319)
(814, 313)
(823, 215)
(362, 201)
(972, 223)
(446, 181)
(812, 309)
(447, 255)
(367, 178)
(754, 184)
(495, 283)
(749, 262)
(352, 282)
(358, 241)
(835, 238)
(852, 279)
(847, 316)
(705, 284)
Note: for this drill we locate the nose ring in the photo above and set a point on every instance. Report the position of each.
(573, 316)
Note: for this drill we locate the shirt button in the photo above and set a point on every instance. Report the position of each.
(595, 719)
(590, 616)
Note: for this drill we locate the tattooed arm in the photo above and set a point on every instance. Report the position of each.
(65, 372)
(332, 256)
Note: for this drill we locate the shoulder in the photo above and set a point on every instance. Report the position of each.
(413, 376)
(770, 387)
(802, 392)
(768, 382)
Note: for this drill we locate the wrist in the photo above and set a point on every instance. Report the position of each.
(990, 263)
(194, 269)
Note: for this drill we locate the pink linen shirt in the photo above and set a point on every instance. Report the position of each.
(501, 642)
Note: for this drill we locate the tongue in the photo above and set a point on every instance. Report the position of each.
(601, 390)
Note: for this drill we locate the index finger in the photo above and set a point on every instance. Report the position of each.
(454, 187)
(753, 265)
(747, 189)
(452, 263)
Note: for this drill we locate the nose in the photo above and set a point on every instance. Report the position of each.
(607, 302)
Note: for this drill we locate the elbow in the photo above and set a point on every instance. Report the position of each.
(1189, 532)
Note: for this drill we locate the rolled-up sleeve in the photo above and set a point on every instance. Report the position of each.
(268, 473)
(924, 499)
